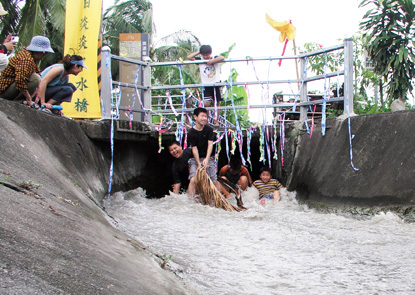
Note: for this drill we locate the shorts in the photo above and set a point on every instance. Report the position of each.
(210, 92)
(211, 169)
(268, 197)
(61, 93)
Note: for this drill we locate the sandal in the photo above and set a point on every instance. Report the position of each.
(45, 110)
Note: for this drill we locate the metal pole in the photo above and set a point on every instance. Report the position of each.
(147, 93)
(303, 91)
(348, 77)
(106, 82)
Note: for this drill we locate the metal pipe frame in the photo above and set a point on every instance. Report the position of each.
(302, 55)
(240, 107)
(303, 104)
(309, 79)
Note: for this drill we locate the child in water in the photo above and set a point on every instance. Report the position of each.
(267, 186)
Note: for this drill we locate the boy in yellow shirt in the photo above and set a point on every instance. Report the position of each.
(267, 186)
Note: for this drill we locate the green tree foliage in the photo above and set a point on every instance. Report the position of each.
(10, 21)
(174, 47)
(389, 27)
(132, 16)
(317, 63)
(364, 78)
(36, 17)
(239, 96)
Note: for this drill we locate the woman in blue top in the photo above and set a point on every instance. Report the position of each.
(54, 87)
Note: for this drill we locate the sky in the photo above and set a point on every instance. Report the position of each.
(222, 23)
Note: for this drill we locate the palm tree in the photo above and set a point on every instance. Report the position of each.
(132, 16)
(176, 46)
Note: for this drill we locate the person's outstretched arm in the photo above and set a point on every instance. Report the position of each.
(217, 59)
(192, 56)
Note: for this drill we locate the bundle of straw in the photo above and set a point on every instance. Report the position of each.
(208, 191)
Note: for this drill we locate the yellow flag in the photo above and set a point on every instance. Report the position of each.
(286, 29)
(82, 25)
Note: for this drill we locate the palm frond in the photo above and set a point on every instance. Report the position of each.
(10, 21)
(32, 22)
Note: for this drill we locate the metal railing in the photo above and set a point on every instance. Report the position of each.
(147, 109)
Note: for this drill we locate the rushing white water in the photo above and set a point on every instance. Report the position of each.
(273, 249)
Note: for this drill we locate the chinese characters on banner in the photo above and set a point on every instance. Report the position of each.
(82, 25)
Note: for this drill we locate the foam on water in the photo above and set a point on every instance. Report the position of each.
(273, 249)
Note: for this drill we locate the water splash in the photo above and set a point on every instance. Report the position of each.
(285, 248)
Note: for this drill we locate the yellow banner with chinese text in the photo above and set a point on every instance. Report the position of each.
(82, 27)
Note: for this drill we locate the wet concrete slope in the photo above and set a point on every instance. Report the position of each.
(383, 151)
(54, 236)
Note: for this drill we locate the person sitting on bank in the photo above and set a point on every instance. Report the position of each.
(20, 78)
(54, 87)
(267, 186)
(180, 167)
(235, 173)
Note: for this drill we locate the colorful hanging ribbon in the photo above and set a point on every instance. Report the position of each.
(111, 174)
(183, 117)
(282, 137)
(162, 129)
(323, 111)
(239, 135)
(219, 147)
(171, 103)
(268, 146)
(261, 144)
(248, 144)
(312, 121)
(130, 116)
(274, 142)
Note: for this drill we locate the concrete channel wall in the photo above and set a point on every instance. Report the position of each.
(383, 151)
(55, 237)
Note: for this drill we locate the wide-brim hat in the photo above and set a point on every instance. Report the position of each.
(79, 63)
(40, 44)
(2, 11)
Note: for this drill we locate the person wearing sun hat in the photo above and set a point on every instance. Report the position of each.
(7, 45)
(20, 78)
(54, 88)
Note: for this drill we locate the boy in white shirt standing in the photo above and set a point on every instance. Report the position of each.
(209, 74)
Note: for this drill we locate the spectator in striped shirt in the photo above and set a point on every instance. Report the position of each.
(267, 186)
